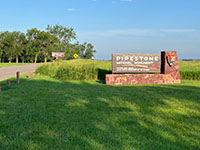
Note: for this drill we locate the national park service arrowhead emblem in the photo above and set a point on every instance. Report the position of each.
(171, 59)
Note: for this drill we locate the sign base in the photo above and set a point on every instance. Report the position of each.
(140, 79)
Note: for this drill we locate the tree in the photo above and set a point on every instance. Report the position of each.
(36, 45)
(82, 50)
(71, 49)
(87, 50)
(2, 44)
(9, 45)
(65, 35)
(34, 42)
(26, 51)
(19, 40)
(89, 53)
(48, 42)
(1, 53)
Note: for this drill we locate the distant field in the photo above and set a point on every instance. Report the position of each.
(190, 70)
(12, 64)
(189, 65)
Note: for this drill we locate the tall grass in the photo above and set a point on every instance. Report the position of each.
(82, 72)
(76, 69)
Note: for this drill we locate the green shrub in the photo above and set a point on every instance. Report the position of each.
(190, 75)
(82, 72)
(48, 69)
(76, 70)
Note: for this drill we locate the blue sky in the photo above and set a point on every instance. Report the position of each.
(114, 26)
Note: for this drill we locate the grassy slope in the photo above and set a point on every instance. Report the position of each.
(12, 64)
(44, 113)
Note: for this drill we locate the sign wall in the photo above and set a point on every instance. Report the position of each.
(136, 63)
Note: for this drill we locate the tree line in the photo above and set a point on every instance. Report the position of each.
(36, 45)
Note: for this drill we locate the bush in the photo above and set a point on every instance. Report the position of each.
(190, 75)
(48, 69)
(76, 70)
(83, 72)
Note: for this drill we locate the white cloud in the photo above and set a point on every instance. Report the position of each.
(73, 9)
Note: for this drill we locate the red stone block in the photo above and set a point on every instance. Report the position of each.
(170, 69)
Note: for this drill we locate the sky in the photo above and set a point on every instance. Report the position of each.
(114, 26)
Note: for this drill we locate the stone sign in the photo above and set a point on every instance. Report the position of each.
(136, 63)
(125, 67)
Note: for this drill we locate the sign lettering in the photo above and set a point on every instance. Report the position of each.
(135, 63)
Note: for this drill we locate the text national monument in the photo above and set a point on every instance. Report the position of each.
(144, 69)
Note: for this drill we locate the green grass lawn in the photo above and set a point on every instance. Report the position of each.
(48, 114)
(12, 64)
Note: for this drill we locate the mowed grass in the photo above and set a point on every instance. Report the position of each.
(43, 113)
(12, 64)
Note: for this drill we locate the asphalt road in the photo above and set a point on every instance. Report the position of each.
(8, 72)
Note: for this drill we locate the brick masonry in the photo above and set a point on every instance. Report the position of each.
(169, 74)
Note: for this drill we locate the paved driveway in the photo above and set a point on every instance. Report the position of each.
(8, 72)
